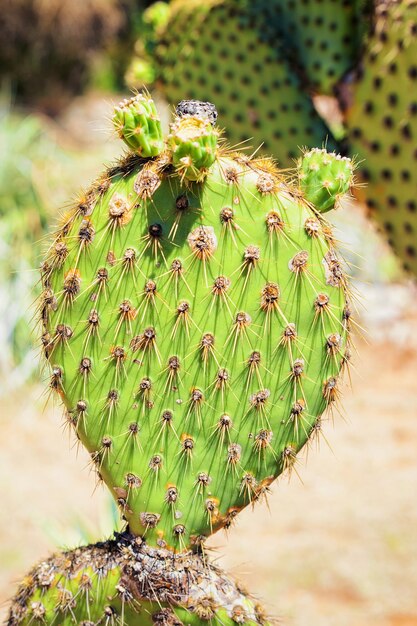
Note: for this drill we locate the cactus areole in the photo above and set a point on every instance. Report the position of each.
(196, 321)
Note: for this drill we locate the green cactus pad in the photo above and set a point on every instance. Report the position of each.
(193, 142)
(321, 38)
(196, 333)
(124, 582)
(381, 115)
(213, 50)
(324, 178)
(137, 122)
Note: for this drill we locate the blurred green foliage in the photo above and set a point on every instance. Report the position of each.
(53, 49)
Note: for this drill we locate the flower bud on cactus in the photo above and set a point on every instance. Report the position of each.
(193, 142)
(324, 178)
(195, 331)
(126, 583)
(137, 123)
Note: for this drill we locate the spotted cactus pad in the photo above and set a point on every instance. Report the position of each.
(124, 582)
(380, 105)
(196, 332)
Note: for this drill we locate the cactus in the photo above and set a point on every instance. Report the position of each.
(123, 581)
(219, 49)
(196, 321)
(381, 116)
(322, 39)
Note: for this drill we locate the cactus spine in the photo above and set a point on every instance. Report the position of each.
(196, 321)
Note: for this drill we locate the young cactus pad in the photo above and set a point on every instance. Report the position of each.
(381, 117)
(195, 332)
(124, 582)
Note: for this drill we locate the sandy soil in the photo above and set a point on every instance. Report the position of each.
(337, 546)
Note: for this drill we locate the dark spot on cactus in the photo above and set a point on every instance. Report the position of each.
(182, 202)
(155, 231)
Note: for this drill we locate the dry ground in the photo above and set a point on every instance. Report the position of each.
(337, 546)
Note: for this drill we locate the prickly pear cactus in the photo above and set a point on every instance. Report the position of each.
(196, 320)
(381, 116)
(321, 38)
(124, 582)
(223, 49)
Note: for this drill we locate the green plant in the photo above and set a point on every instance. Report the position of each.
(195, 318)
(123, 581)
(196, 322)
(380, 106)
